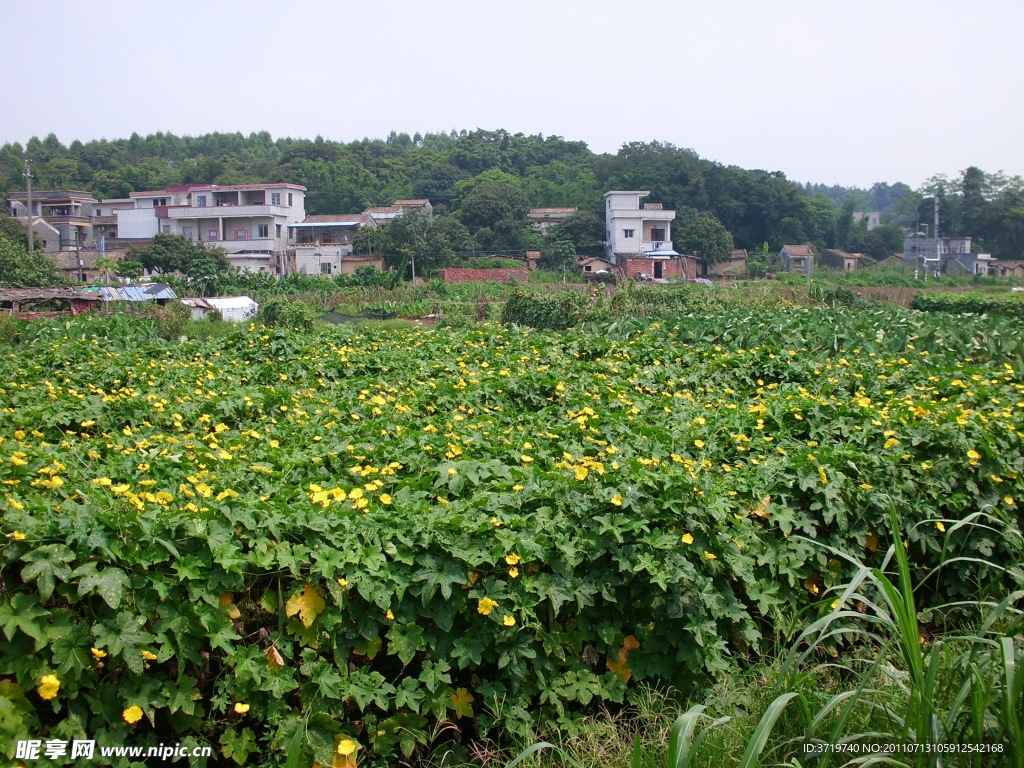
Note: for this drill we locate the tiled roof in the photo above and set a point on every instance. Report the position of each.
(418, 202)
(148, 193)
(383, 209)
(653, 206)
(552, 210)
(799, 250)
(739, 253)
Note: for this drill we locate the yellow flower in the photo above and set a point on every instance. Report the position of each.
(452, 471)
(132, 715)
(148, 656)
(509, 621)
(390, 616)
(822, 475)
(342, 582)
(385, 499)
(867, 487)
(496, 522)
(525, 459)
(512, 559)
(513, 573)
(203, 490)
(96, 652)
(355, 493)
(241, 708)
(517, 488)
(940, 526)
(485, 606)
(699, 443)
(347, 747)
(687, 538)
(48, 687)
(581, 473)
(16, 535)
(1008, 500)
(710, 556)
(891, 442)
(617, 499)
(226, 494)
(973, 455)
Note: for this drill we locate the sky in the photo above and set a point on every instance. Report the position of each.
(847, 92)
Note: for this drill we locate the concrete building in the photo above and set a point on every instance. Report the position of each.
(322, 243)
(946, 255)
(873, 218)
(62, 219)
(249, 221)
(639, 237)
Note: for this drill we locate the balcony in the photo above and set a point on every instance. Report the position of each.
(225, 211)
(252, 244)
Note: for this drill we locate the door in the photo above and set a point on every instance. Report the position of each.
(659, 270)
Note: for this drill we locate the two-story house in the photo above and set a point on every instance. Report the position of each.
(639, 237)
(61, 219)
(946, 255)
(249, 221)
(322, 244)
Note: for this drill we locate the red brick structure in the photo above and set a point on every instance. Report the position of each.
(679, 267)
(462, 275)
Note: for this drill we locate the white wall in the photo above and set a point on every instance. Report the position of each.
(137, 223)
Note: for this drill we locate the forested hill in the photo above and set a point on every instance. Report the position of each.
(754, 206)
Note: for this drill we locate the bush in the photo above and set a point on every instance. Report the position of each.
(556, 311)
(280, 313)
(170, 319)
(969, 303)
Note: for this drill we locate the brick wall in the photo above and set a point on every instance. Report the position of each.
(687, 268)
(461, 275)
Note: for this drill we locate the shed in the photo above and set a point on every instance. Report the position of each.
(237, 309)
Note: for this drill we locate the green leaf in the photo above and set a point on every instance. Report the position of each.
(110, 583)
(46, 565)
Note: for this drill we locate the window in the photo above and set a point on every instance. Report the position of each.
(275, 198)
(588, 268)
(241, 234)
(325, 268)
(187, 232)
(211, 234)
(99, 211)
(263, 230)
(627, 233)
(166, 228)
(159, 201)
(657, 234)
(200, 201)
(278, 230)
(289, 199)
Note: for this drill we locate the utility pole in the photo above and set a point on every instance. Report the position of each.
(28, 181)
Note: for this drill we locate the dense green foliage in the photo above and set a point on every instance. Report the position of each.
(362, 533)
(971, 303)
(18, 269)
(487, 178)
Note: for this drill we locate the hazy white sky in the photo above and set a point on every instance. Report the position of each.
(834, 91)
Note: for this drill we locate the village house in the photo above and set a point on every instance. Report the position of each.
(946, 255)
(837, 259)
(545, 218)
(797, 258)
(639, 238)
(249, 221)
(61, 219)
(322, 244)
(736, 264)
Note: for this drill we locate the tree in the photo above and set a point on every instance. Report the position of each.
(18, 270)
(560, 256)
(583, 229)
(16, 232)
(105, 265)
(174, 253)
(705, 237)
(130, 269)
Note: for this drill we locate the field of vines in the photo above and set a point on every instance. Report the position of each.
(360, 546)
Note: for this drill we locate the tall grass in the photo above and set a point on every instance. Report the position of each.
(865, 684)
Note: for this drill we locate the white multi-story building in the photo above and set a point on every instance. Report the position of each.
(637, 229)
(249, 221)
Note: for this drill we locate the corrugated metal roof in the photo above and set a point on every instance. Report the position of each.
(146, 292)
